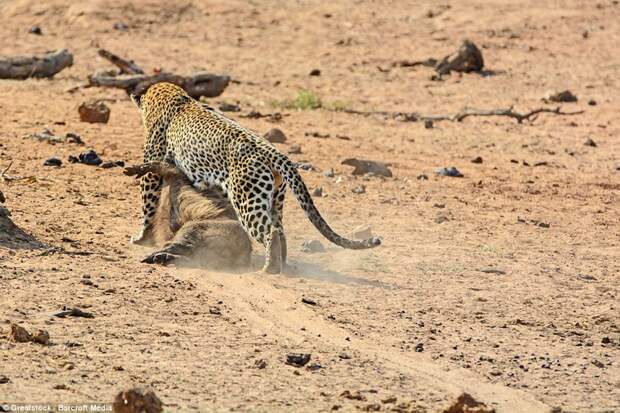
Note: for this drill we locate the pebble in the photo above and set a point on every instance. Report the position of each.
(477, 159)
(451, 171)
(52, 162)
(297, 359)
(294, 149)
(329, 173)
(315, 72)
(275, 135)
(318, 192)
(590, 142)
(360, 189)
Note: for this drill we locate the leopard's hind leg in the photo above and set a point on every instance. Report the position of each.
(251, 186)
(277, 212)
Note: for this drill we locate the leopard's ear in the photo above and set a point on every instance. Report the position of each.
(135, 99)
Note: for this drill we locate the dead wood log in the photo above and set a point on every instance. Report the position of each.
(465, 113)
(46, 66)
(196, 85)
(126, 67)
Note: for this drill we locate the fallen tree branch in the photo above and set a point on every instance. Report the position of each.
(196, 85)
(47, 66)
(465, 113)
(7, 178)
(126, 67)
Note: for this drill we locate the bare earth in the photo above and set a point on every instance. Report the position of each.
(541, 333)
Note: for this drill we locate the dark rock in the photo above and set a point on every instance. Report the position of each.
(308, 301)
(590, 142)
(137, 400)
(87, 158)
(229, 107)
(477, 159)
(451, 171)
(260, 364)
(441, 219)
(35, 30)
(428, 124)
(422, 177)
(353, 396)
(73, 312)
(94, 112)
(592, 102)
(565, 96)
(19, 334)
(468, 58)
(52, 162)
(294, 149)
(312, 246)
(318, 192)
(297, 359)
(112, 164)
(344, 356)
(605, 340)
(329, 173)
(419, 347)
(363, 167)
(4, 380)
(41, 337)
(465, 403)
(275, 135)
(315, 72)
(120, 26)
(544, 224)
(598, 364)
(314, 367)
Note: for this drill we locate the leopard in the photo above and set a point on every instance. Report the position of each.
(192, 227)
(214, 150)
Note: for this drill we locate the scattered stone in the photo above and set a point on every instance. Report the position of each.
(275, 135)
(48, 136)
(35, 30)
(94, 112)
(586, 277)
(229, 107)
(590, 142)
(308, 301)
(87, 158)
(592, 102)
(60, 387)
(137, 400)
(41, 337)
(315, 72)
(598, 364)
(73, 312)
(318, 135)
(362, 232)
(564, 96)
(441, 219)
(260, 364)
(121, 27)
(477, 159)
(372, 407)
(468, 58)
(294, 149)
(451, 171)
(389, 400)
(606, 340)
(360, 189)
(318, 192)
(542, 163)
(53, 162)
(312, 246)
(4, 379)
(544, 224)
(112, 164)
(314, 367)
(495, 373)
(422, 177)
(353, 396)
(492, 271)
(297, 359)
(419, 347)
(19, 334)
(465, 403)
(344, 356)
(215, 310)
(362, 167)
(428, 124)
(329, 173)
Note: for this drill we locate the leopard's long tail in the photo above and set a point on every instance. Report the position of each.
(293, 179)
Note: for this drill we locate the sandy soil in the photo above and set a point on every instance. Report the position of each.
(542, 333)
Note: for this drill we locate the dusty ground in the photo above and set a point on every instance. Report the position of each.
(543, 333)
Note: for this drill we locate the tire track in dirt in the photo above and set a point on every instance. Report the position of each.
(269, 308)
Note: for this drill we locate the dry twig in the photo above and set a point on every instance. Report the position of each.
(23, 67)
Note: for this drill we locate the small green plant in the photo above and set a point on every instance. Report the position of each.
(305, 99)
